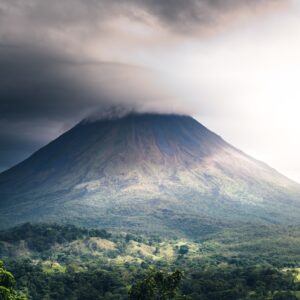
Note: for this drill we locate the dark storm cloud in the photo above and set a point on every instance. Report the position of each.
(44, 93)
(39, 84)
(36, 84)
(49, 80)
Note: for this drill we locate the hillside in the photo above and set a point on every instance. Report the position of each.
(147, 172)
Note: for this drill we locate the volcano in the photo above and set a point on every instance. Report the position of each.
(148, 172)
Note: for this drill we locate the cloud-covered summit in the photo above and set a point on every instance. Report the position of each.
(61, 57)
(62, 60)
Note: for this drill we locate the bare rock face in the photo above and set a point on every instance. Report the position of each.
(149, 172)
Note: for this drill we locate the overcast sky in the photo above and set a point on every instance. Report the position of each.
(232, 64)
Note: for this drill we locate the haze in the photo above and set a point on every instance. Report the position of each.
(233, 65)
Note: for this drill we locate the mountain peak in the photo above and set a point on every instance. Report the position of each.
(121, 114)
(142, 168)
(167, 133)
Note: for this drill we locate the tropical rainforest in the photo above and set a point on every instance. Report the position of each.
(51, 261)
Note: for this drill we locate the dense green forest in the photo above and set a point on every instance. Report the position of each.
(51, 261)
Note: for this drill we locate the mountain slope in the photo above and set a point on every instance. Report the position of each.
(149, 172)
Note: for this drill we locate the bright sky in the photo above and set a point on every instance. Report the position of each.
(244, 84)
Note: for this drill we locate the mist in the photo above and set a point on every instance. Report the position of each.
(233, 65)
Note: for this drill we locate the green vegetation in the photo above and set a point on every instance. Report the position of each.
(7, 286)
(157, 285)
(51, 261)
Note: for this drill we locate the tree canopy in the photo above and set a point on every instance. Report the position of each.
(7, 286)
(157, 285)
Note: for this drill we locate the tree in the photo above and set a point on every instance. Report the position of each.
(157, 285)
(184, 249)
(7, 286)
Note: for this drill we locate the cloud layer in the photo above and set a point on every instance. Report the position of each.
(63, 60)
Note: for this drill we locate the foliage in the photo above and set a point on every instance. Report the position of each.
(51, 261)
(184, 249)
(7, 286)
(41, 237)
(156, 285)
